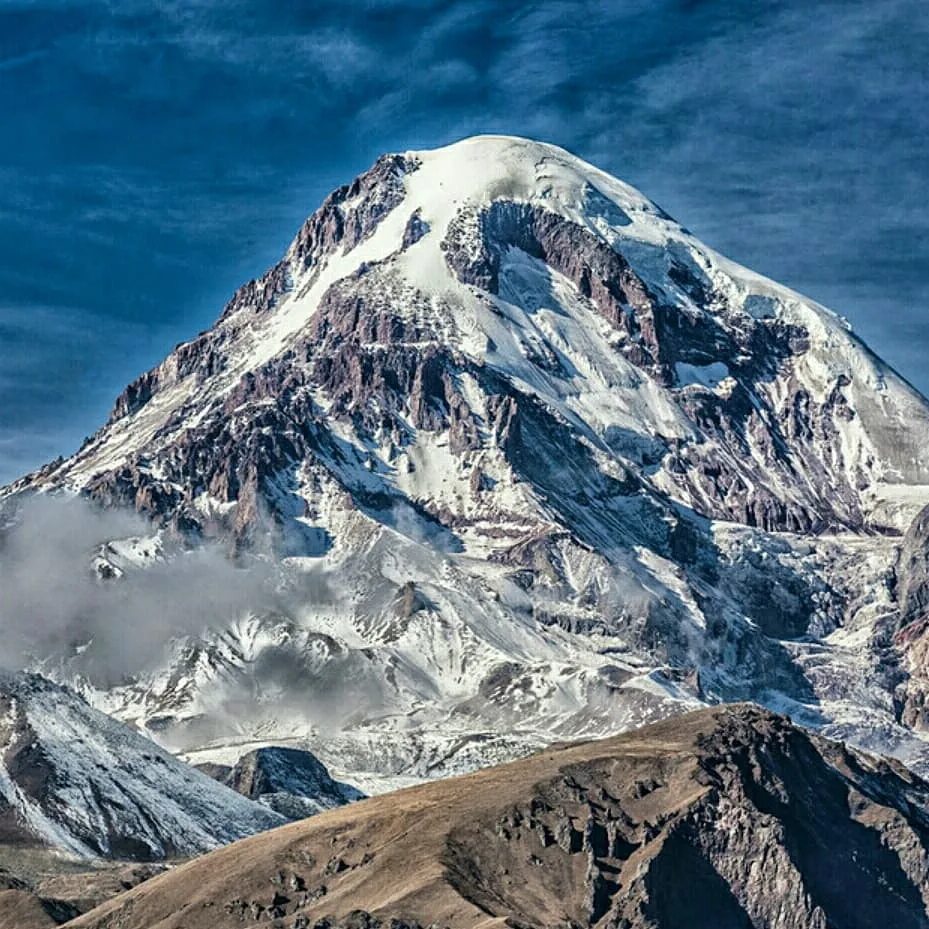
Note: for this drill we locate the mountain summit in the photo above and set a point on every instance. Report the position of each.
(555, 465)
(494, 269)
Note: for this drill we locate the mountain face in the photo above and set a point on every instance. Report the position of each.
(536, 464)
(441, 292)
(723, 818)
(75, 780)
(291, 782)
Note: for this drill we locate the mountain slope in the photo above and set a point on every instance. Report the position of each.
(729, 817)
(535, 463)
(76, 780)
(54, 889)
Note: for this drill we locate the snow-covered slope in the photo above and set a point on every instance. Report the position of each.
(73, 779)
(536, 463)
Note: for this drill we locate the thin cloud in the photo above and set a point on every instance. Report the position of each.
(54, 606)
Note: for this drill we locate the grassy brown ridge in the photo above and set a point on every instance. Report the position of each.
(730, 816)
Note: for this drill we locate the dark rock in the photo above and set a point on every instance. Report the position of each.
(292, 782)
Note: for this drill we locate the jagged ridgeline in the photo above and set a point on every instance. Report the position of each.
(536, 464)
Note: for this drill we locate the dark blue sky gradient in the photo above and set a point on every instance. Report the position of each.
(154, 155)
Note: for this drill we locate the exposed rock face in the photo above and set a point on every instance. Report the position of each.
(291, 782)
(476, 247)
(596, 448)
(76, 781)
(346, 218)
(664, 335)
(730, 817)
(912, 633)
(913, 573)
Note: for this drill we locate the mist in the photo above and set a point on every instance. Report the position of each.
(54, 605)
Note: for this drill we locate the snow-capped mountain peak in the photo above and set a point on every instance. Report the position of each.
(525, 263)
(560, 466)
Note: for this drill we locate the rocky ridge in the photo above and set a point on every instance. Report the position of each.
(291, 782)
(724, 817)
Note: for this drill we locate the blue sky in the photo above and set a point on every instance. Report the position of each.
(156, 154)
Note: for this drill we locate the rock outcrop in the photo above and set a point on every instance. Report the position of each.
(292, 782)
(912, 627)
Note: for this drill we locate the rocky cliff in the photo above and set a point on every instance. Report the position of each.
(291, 782)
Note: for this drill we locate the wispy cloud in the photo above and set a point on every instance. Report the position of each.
(52, 600)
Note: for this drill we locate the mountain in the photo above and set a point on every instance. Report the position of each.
(77, 781)
(503, 271)
(291, 782)
(726, 817)
(534, 463)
